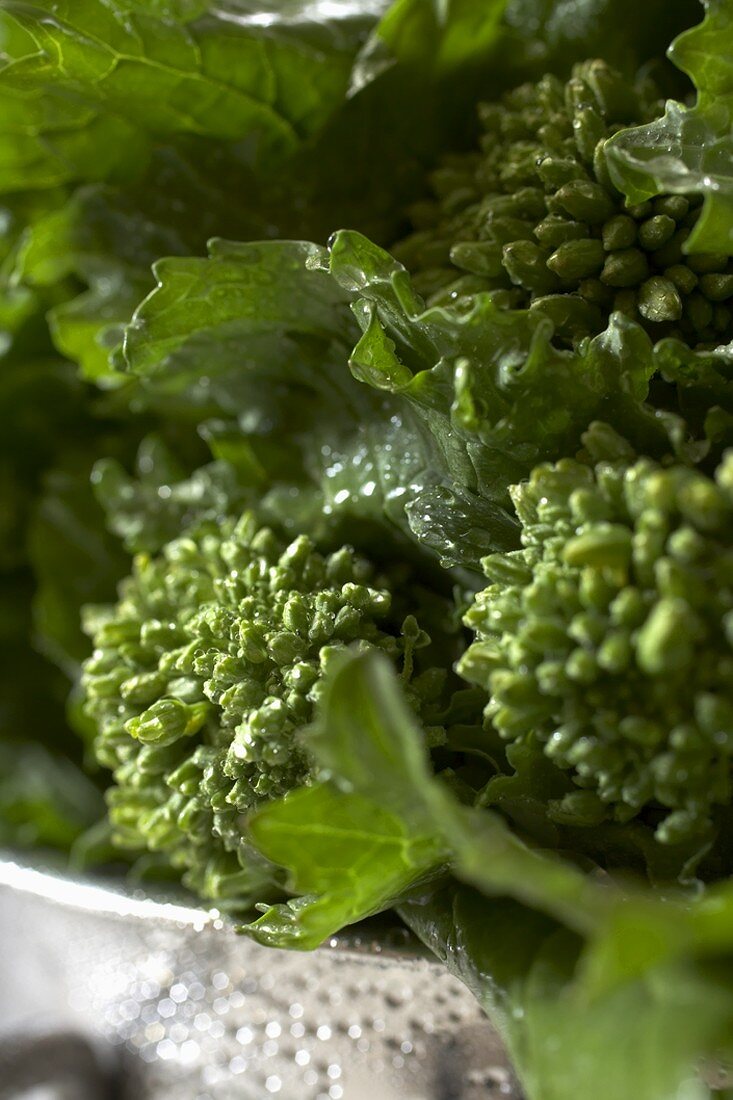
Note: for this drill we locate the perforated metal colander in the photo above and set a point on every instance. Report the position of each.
(163, 1000)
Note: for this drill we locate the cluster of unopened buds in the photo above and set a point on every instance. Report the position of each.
(535, 214)
(208, 669)
(607, 641)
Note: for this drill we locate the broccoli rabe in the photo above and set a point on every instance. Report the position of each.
(608, 639)
(205, 672)
(535, 213)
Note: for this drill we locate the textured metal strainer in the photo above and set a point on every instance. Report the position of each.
(196, 1012)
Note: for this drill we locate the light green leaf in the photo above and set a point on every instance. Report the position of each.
(376, 768)
(436, 35)
(656, 931)
(242, 292)
(118, 77)
(368, 741)
(690, 149)
(349, 858)
(642, 1038)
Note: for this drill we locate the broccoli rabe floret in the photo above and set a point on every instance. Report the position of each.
(206, 671)
(534, 213)
(608, 639)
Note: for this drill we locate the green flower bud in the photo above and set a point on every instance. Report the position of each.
(659, 300)
(656, 231)
(607, 640)
(625, 269)
(166, 721)
(478, 258)
(577, 259)
(704, 262)
(595, 292)
(207, 670)
(583, 200)
(509, 213)
(672, 252)
(717, 288)
(619, 232)
(674, 206)
(526, 266)
(683, 278)
(555, 230)
(606, 546)
(666, 643)
(556, 171)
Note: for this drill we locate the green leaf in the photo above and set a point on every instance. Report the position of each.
(643, 1038)
(290, 408)
(141, 97)
(655, 931)
(101, 239)
(181, 110)
(518, 40)
(689, 150)
(45, 800)
(14, 41)
(704, 395)
(120, 77)
(180, 117)
(368, 741)
(351, 849)
(24, 336)
(376, 770)
(290, 402)
(176, 112)
(75, 561)
(349, 858)
(549, 951)
(490, 388)
(243, 291)
(441, 36)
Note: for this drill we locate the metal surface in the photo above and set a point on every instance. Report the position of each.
(200, 1013)
(65, 1065)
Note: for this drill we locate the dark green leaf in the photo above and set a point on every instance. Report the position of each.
(243, 293)
(75, 562)
(435, 35)
(45, 800)
(551, 35)
(251, 336)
